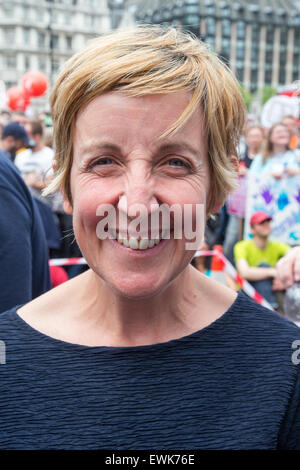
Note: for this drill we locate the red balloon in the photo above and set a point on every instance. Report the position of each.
(34, 83)
(16, 99)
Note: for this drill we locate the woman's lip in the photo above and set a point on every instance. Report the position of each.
(144, 235)
(147, 252)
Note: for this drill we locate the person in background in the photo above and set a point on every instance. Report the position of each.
(291, 123)
(5, 117)
(276, 151)
(256, 259)
(14, 139)
(24, 271)
(254, 139)
(35, 164)
(20, 117)
(236, 201)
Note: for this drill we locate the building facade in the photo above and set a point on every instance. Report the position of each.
(42, 35)
(258, 39)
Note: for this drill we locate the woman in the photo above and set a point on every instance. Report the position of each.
(276, 159)
(273, 186)
(236, 202)
(142, 351)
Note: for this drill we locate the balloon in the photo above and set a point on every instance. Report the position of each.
(292, 303)
(16, 99)
(34, 83)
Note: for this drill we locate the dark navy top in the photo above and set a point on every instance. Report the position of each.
(24, 270)
(232, 385)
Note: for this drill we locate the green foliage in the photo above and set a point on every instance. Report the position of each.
(267, 93)
(247, 96)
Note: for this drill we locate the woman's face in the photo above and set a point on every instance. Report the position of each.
(280, 135)
(118, 159)
(255, 138)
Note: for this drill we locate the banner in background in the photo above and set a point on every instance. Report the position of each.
(278, 198)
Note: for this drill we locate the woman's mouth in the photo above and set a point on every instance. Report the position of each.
(140, 243)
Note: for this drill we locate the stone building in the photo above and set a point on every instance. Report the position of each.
(42, 35)
(259, 39)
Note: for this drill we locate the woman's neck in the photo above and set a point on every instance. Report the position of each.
(279, 148)
(129, 321)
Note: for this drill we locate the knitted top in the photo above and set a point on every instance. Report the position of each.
(231, 385)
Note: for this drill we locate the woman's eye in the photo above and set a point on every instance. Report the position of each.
(178, 163)
(101, 162)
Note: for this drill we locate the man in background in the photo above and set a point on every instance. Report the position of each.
(24, 270)
(256, 259)
(35, 163)
(14, 139)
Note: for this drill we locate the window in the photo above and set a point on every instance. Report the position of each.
(27, 62)
(225, 11)
(69, 42)
(67, 18)
(26, 36)
(8, 10)
(25, 13)
(240, 50)
(226, 28)
(41, 39)
(11, 62)
(210, 9)
(10, 84)
(55, 65)
(225, 47)
(39, 14)
(240, 29)
(210, 26)
(9, 35)
(54, 41)
(42, 64)
(240, 73)
(210, 41)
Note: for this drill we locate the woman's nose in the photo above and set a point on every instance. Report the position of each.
(138, 199)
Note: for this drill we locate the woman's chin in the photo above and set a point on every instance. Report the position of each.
(137, 287)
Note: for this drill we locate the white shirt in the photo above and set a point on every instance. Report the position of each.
(39, 162)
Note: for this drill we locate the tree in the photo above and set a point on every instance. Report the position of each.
(267, 93)
(247, 96)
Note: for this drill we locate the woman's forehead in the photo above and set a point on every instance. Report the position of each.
(117, 115)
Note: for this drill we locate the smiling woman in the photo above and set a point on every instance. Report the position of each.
(143, 351)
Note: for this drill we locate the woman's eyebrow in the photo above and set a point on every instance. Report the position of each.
(89, 148)
(194, 153)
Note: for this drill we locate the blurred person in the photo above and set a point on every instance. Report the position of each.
(14, 139)
(276, 159)
(292, 124)
(254, 141)
(143, 337)
(24, 271)
(35, 163)
(48, 137)
(256, 259)
(20, 117)
(5, 117)
(236, 202)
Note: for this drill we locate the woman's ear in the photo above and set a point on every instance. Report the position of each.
(68, 207)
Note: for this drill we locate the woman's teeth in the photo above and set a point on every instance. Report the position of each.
(135, 244)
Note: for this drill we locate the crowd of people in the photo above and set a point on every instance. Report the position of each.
(267, 153)
(141, 350)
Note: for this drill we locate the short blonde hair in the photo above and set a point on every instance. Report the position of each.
(149, 60)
